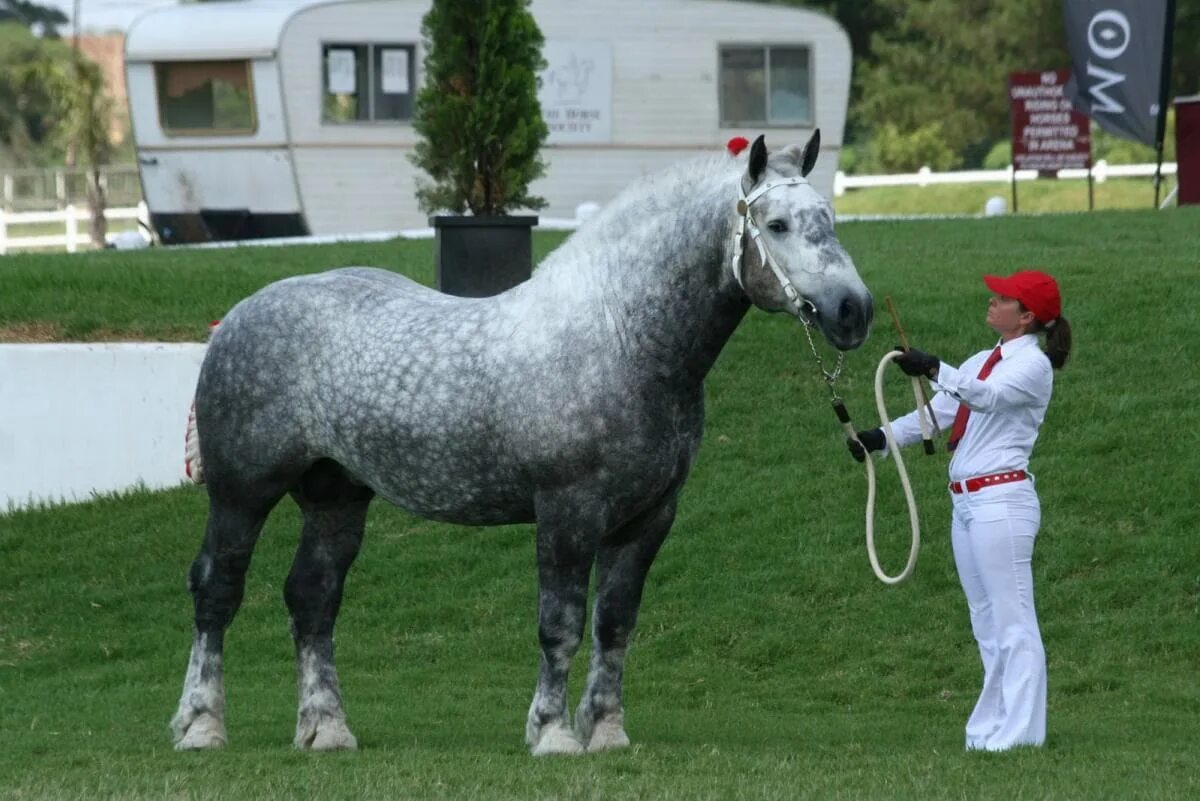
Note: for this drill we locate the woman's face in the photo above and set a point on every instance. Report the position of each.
(1005, 317)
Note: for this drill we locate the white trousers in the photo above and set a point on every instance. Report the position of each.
(993, 530)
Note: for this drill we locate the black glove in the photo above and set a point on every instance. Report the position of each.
(917, 363)
(873, 439)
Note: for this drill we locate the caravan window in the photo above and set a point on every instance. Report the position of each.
(367, 82)
(765, 85)
(205, 98)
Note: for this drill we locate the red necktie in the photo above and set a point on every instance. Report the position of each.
(960, 418)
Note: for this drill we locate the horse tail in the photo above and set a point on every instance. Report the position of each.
(191, 449)
(192, 464)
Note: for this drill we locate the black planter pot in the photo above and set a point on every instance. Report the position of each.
(476, 257)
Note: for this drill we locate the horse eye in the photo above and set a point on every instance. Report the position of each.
(777, 227)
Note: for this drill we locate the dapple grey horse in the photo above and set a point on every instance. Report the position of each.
(574, 401)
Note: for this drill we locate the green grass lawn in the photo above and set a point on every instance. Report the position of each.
(768, 662)
(173, 294)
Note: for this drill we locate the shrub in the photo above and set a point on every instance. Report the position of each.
(895, 151)
(477, 114)
(999, 157)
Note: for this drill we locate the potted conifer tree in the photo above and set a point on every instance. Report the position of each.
(481, 129)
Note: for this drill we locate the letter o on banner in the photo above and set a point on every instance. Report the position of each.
(1115, 18)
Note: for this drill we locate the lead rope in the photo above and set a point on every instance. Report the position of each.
(839, 408)
(744, 220)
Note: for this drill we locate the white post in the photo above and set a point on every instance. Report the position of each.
(923, 173)
(1166, 202)
(839, 183)
(72, 229)
(3, 233)
(1100, 171)
(9, 190)
(60, 188)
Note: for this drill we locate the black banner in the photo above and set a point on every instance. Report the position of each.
(1120, 53)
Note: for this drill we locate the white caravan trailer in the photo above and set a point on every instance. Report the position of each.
(261, 118)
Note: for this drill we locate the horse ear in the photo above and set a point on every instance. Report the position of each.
(811, 151)
(758, 159)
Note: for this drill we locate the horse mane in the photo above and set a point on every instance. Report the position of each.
(646, 209)
(670, 185)
(656, 206)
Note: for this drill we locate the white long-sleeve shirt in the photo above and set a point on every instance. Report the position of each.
(1007, 408)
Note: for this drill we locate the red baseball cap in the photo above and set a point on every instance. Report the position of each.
(1037, 291)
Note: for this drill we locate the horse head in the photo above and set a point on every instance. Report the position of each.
(786, 256)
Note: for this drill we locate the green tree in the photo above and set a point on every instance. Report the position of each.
(26, 109)
(947, 62)
(477, 114)
(43, 19)
(82, 115)
(908, 151)
(1186, 68)
(925, 65)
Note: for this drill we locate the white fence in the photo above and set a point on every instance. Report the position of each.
(73, 234)
(32, 189)
(1101, 171)
(40, 189)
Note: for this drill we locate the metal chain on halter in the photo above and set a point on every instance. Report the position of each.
(830, 376)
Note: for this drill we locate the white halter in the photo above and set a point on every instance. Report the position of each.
(798, 301)
(745, 218)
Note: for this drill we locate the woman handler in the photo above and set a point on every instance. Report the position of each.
(995, 402)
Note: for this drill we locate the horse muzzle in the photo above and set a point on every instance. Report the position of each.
(845, 319)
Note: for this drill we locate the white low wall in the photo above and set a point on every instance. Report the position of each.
(78, 419)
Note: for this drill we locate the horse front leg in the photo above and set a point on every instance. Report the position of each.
(335, 513)
(217, 581)
(621, 567)
(566, 549)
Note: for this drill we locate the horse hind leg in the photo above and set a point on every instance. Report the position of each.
(566, 548)
(216, 581)
(335, 513)
(621, 567)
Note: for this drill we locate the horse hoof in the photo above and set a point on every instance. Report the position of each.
(557, 739)
(204, 732)
(607, 735)
(327, 734)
